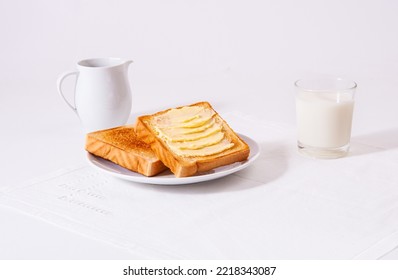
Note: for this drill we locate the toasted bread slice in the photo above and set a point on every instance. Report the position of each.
(193, 139)
(121, 146)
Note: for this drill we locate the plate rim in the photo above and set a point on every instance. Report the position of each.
(156, 180)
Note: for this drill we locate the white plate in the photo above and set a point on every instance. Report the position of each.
(168, 178)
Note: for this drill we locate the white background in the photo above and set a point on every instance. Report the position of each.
(239, 55)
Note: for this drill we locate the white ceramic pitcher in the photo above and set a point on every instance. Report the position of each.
(102, 92)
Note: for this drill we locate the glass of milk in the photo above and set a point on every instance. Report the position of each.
(324, 110)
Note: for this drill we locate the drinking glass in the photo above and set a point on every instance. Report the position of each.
(324, 109)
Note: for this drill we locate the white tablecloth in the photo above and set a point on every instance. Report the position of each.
(284, 206)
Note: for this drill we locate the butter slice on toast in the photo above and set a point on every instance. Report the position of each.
(191, 139)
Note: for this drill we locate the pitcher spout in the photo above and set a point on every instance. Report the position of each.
(127, 63)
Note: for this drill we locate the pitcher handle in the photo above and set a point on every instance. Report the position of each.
(59, 86)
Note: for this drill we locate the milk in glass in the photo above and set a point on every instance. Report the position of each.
(324, 119)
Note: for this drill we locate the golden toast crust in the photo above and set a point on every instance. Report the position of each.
(183, 166)
(121, 146)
